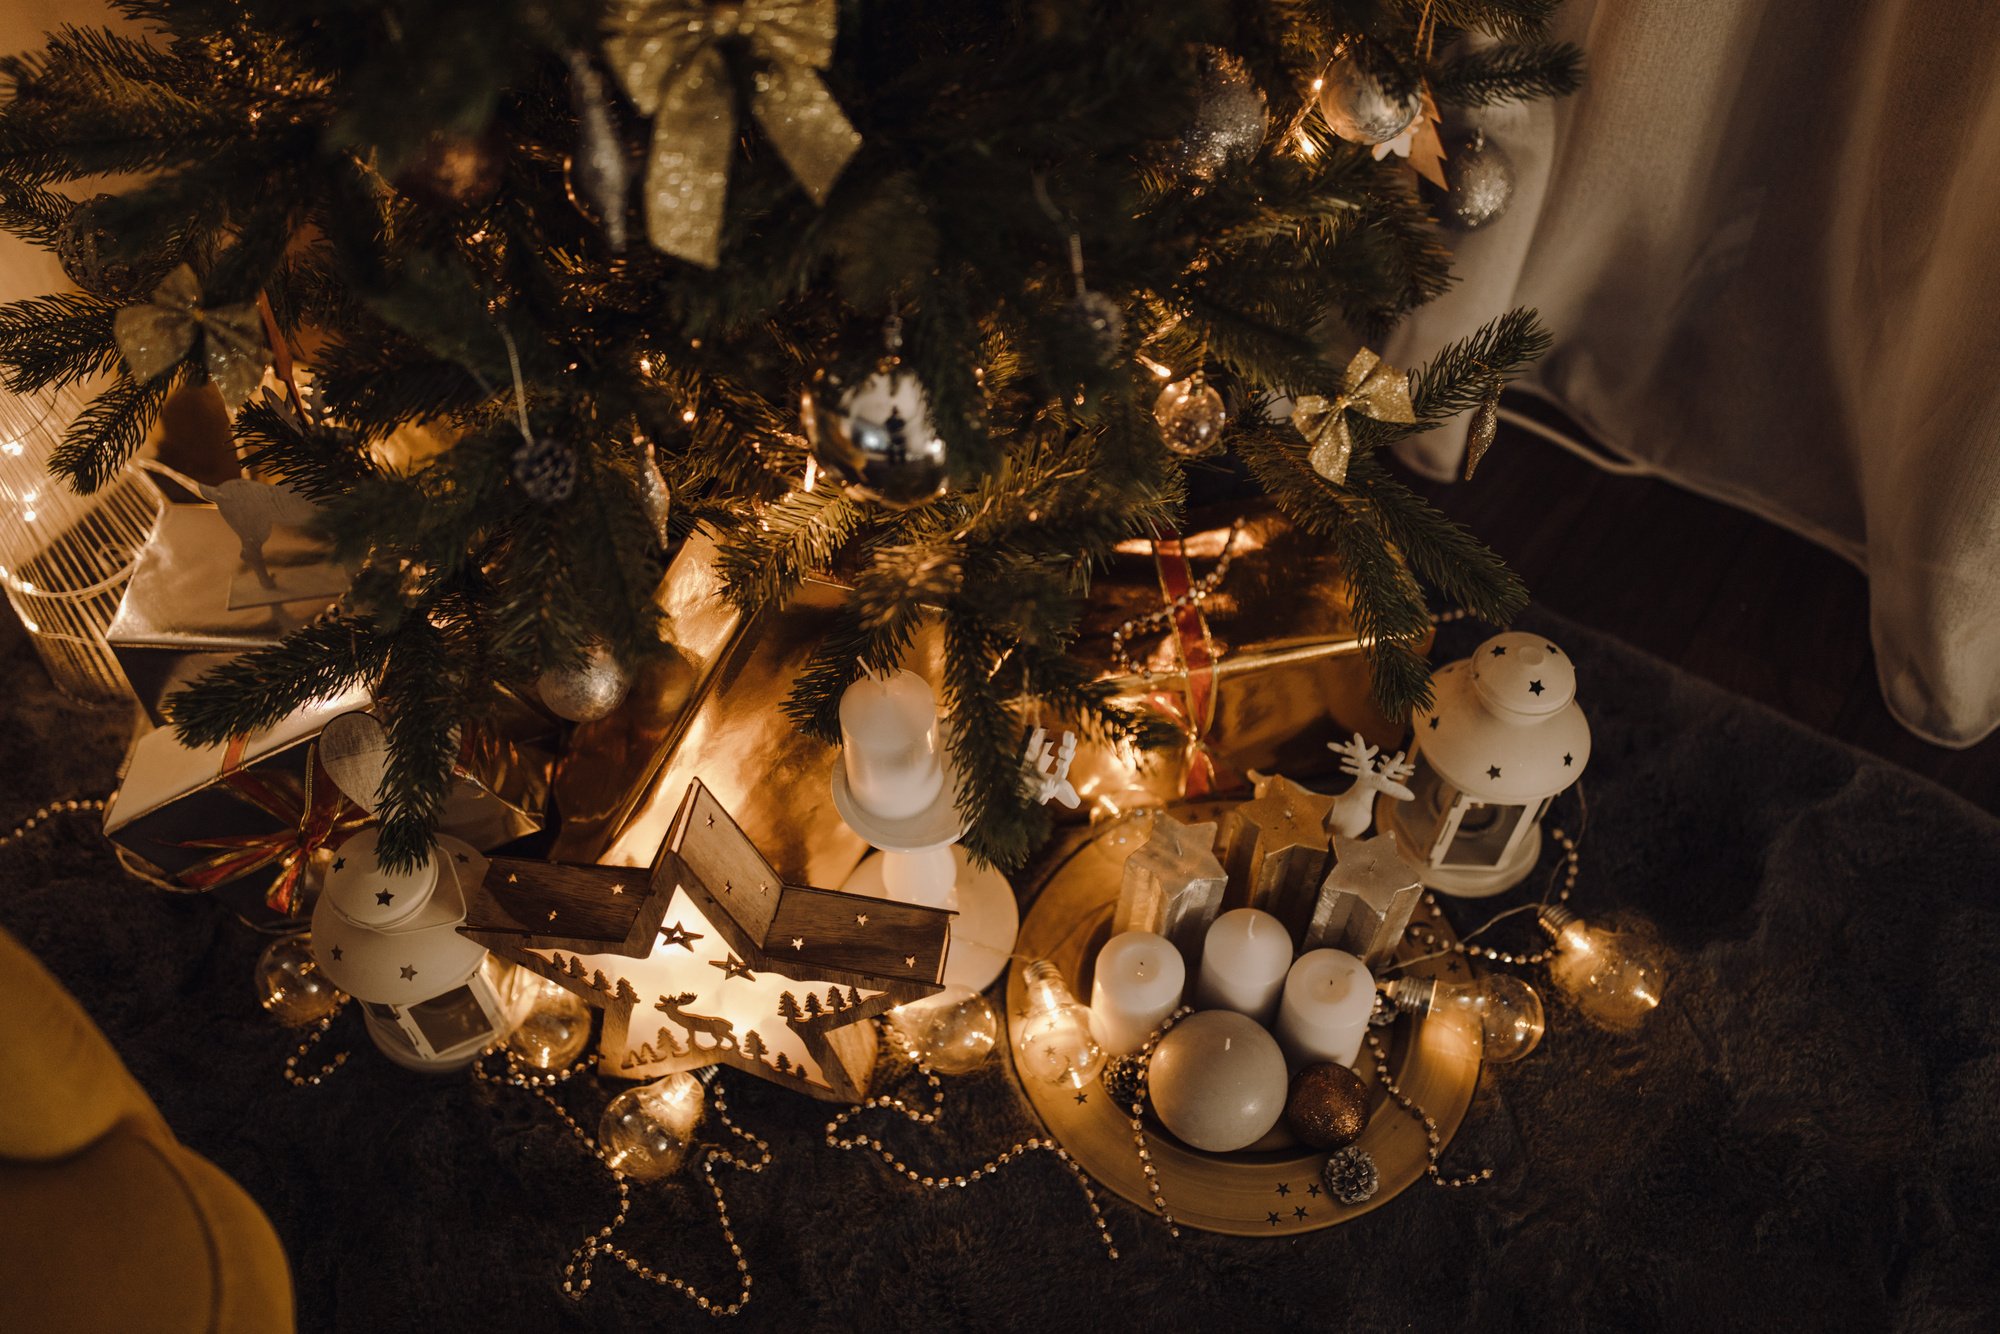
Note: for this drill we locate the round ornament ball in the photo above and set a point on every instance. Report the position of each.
(1191, 416)
(1327, 1107)
(453, 171)
(1479, 183)
(87, 249)
(646, 1132)
(1362, 107)
(290, 984)
(1217, 1081)
(545, 468)
(1124, 1078)
(586, 692)
(877, 437)
(1350, 1176)
(953, 1031)
(1230, 118)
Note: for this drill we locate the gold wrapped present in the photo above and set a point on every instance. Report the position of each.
(175, 623)
(1241, 632)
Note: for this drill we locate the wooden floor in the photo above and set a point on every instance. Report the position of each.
(1721, 593)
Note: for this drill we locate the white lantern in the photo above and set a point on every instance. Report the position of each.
(390, 940)
(1501, 739)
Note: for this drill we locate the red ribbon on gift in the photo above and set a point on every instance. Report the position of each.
(311, 812)
(1196, 711)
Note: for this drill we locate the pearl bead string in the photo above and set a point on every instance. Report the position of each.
(1198, 592)
(1136, 1113)
(935, 1115)
(305, 1049)
(48, 812)
(1429, 939)
(578, 1271)
(1433, 1140)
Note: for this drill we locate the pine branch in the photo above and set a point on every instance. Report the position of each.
(1508, 74)
(420, 698)
(1515, 19)
(763, 565)
(261, 688)
(34, 214)
(56, 340)
(1441, 552)
(1464, 373)
(110, 430)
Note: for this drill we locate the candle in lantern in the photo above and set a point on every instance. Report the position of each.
(1329, 995)
(889, 743)
(1137, 984)
(1243, 962)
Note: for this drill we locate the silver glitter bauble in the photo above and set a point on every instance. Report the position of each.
(646, 1132)
(1102, 321)
(1361, 108)
(1191, 416)
(291, 986)
(876, 437)
(1230, 118)
(88, 251)
(545, 469)
(1479, 183)
(586, 692)
(654, 494)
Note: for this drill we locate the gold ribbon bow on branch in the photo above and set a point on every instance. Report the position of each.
(154, 336)
(668, 55)
(1371, 387)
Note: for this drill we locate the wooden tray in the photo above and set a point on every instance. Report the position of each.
(1251, 1193)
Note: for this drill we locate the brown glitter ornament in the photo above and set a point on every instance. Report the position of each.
(1485, 425)
(1328, 1106)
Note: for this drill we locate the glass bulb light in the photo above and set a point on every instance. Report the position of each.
(551, 1022)
(1505, 1009)
(953, 1031)
(1615, 978)
(291, 986)
(1056, 1045)
(647, 1131)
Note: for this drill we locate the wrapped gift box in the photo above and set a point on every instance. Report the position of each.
(175, 623)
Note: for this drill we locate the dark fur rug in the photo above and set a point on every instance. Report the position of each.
(1803, 1137)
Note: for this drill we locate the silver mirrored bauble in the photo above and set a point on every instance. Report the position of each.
(1360, 108)
(646, 1132)
(952, 1031)
(1191, 416)
(588, 691)
(1229, 121)
(290, 984)
(876, 437)
(1102, 321)
(1479, 183)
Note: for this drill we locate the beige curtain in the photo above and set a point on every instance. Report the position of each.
(1765, 237)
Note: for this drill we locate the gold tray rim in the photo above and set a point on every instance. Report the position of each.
(1275, 1193)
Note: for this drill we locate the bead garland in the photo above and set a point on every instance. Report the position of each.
(43, 815)
(1197, 593)
(934, 1116)
(577, 1272)
(312, 1040)
(1137, 1114)
(1430, 940)
(1433, 1142)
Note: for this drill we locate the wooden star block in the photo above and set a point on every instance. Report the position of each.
(1275, 851)
(714, 960)
(1366, 900)
(1173, 885)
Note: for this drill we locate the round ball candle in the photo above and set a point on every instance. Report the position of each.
(1328, 997)
(1243, 963)
(1137, 984)
(889, 744)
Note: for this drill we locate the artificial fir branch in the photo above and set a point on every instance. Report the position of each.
(111, 428)
(1509, 74)
(55, 340)
(261, 688)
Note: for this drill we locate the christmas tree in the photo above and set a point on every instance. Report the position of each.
(588, 240)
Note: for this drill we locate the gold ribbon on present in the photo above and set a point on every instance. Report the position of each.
(1371, 387)
(668, 54)
(311, 813)
(154, 336)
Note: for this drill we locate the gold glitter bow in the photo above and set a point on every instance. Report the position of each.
(1371, 387)
(668, 56)
(155, 335)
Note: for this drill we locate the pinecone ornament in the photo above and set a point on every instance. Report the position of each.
(546, 470)
(1350, 1175)
(1124, 1078)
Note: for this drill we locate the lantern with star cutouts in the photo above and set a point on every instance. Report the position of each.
(390, 940)
(1502, 738)
(708, 957)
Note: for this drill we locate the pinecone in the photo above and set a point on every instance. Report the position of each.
(546, 470)
(1124, 1078)
(1350, 1175)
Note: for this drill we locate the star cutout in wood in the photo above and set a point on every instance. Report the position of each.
(462, 858)
(794, 1019)
(861, 919)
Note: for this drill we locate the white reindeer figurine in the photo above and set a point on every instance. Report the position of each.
(253, 509)
(1354, 810)
(1051, 762)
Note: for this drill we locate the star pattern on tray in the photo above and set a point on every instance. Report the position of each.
(861, 919)
(1272, 1218)
(1299, 1213)
(1082, 1097)
(1434, 723)
(679, 935)
(1284, 1188)
(1312, 1189)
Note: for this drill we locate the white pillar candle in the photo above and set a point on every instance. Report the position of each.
(1329, 995)
(889, 744)
(1243, 963)
(1137, 984)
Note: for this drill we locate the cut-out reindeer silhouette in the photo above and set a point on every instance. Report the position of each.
(1354, 810)
(721, 1033)
(252, 509)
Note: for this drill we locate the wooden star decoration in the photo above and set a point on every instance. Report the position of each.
(1366, 900)
(706, 963)
(1276, 850)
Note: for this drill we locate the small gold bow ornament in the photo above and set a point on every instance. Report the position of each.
(668, 56)
(156, 335)
(1371, 387)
